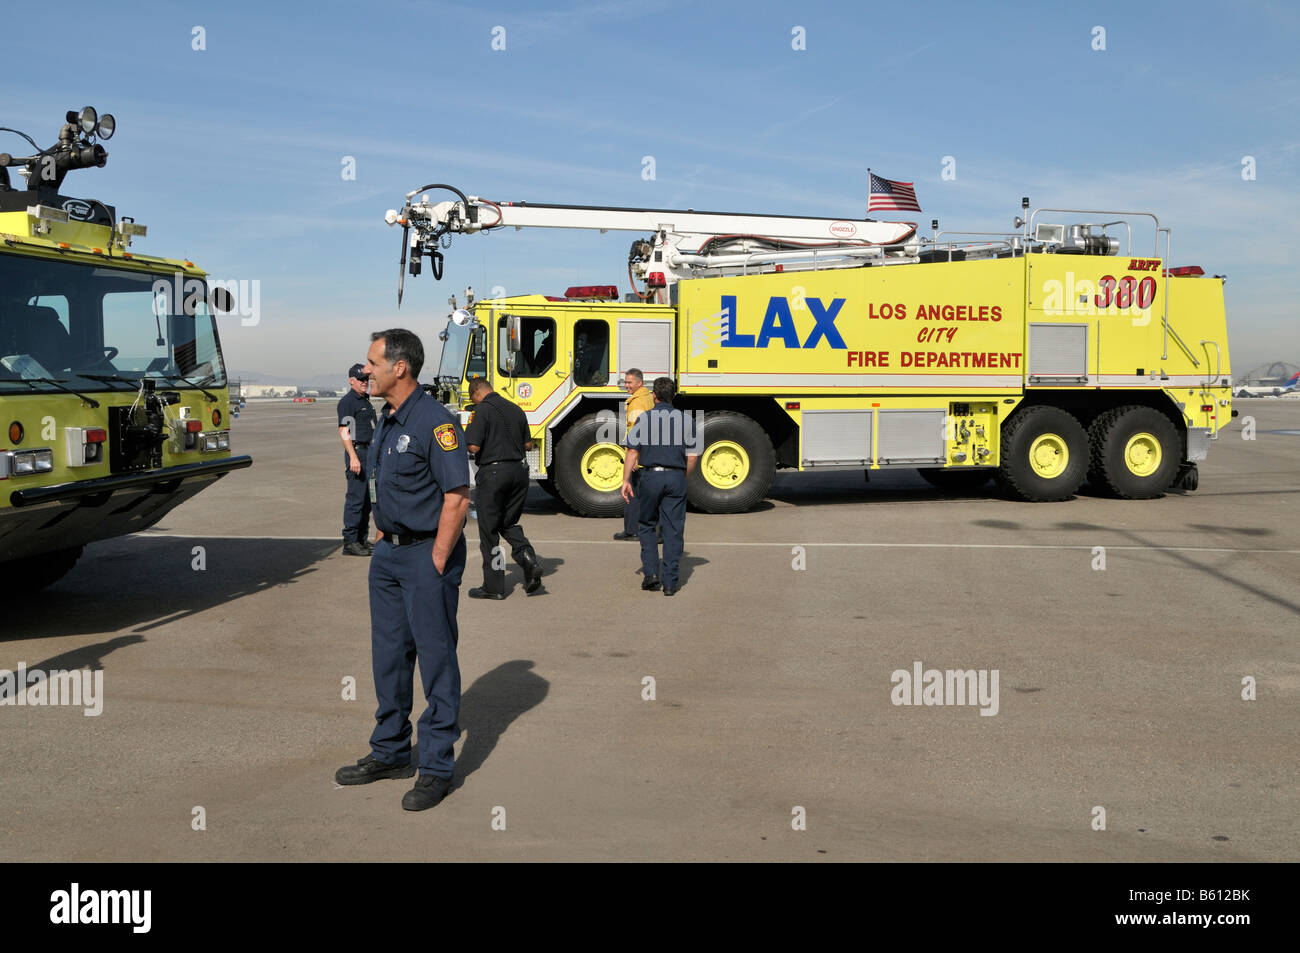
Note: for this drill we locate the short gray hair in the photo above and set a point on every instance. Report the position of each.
(402, 345)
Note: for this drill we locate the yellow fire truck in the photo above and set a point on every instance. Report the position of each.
(1064, 351)
(113, 404)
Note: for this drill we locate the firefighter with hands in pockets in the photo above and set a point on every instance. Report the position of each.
(419, 493)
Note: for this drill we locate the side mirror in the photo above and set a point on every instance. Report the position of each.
(221, 300)
(514, 333)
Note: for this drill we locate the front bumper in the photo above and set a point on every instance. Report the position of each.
(45, 519)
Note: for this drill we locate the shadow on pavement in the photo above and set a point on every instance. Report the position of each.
(851, 486)
(1215, 572)
(488, 707)
(88, 656)
(145, 582)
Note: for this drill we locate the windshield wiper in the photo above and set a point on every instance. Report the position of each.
(195, 384)
(33, 381)
(112, 378)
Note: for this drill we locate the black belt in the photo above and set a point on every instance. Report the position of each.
(495, 463)
(663, 468)
(360, 443)
(406, 539)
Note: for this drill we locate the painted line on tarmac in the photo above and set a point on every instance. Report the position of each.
(612, 542)
(1089, 547)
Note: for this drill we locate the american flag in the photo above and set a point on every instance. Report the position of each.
(891, 196)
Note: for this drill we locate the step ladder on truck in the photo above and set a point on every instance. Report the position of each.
(1063, 351)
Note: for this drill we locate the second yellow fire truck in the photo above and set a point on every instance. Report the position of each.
(1064, 351)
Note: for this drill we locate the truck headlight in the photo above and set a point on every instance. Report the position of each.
(24, 462)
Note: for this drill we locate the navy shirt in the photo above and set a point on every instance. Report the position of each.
(499, 429)
(662, 435)
(418, 454)
(358, 407)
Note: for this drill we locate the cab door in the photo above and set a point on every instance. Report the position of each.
(532, 361)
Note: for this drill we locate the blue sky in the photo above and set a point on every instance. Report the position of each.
(233, 155)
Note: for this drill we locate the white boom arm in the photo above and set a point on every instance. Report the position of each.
(681, 243)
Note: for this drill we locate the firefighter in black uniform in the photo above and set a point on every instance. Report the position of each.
(356, 428)
(419, 487)
(498, 437)
(660, 444)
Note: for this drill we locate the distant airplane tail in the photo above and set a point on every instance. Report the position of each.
(1292, 383)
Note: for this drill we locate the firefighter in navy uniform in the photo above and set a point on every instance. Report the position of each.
(356, 428)
(419, 490)
(498, 437)
(658, 444)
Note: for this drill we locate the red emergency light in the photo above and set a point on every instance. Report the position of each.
(1185, 271)
(96, 435)
(599, 292)
(656, 279)
(193, 426)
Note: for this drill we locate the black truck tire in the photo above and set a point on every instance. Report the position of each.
(589, 472)
(736, 465)
(1044, 454)
(1136, 452)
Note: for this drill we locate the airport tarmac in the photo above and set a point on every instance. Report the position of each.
(771, 735)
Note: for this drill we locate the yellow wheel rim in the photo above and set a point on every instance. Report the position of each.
(1049, 456)
(602, 467)
(724, 465)
(1142, 454)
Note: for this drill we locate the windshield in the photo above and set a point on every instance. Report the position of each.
(100, 328)
(455, 345)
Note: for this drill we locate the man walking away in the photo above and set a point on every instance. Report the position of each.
(498, 437)
(658, 445)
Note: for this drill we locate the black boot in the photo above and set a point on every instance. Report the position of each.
(532, 572)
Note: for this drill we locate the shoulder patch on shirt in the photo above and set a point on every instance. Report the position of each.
(445, 434)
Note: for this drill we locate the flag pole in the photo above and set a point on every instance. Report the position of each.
(868, 217)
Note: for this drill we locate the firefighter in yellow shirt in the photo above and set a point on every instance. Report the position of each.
(638, 402)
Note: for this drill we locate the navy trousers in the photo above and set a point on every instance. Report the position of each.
(631, 522)
(413, 616)
(356, 507)
(662, 497)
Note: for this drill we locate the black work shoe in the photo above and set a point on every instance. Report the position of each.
(428, 792)
(532, 571)
(625, 535)
(650, 583)
(368, 769)
(354, 548)
(670, 590)
(479, 593)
